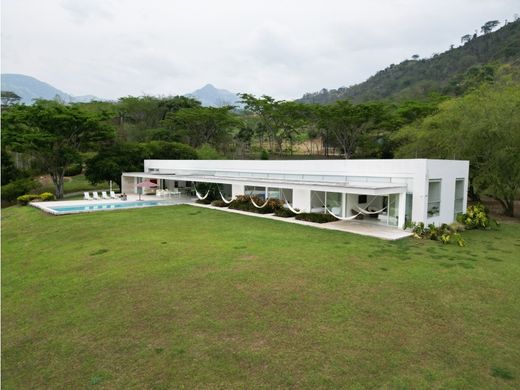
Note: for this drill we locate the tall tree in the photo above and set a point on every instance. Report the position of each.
(489, 26)
(9, 98)
(202, 125)
(481, 127)
(54, 134)
(349, 124)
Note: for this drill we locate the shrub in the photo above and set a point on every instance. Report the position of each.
(284, 213)
(444, 233)
(25, 199)
(46, 196)
(219, 203)
(243, 202)
(204, 201)
(315, 217)
(17, 188)
(476, 217)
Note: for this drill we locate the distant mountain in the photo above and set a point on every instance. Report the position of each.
(442, 73)
(29, 88)
(211, 96)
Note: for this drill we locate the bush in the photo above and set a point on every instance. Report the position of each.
(444, 233)
(284, 213)
(219, 203)
(243, 202)
(315, 217)
(204, 201)
(25, 199)
(476, 217)
(17, 188)
(46, 196)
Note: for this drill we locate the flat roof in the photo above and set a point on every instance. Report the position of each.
(369, 188)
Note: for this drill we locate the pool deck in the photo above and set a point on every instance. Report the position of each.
(355, 227)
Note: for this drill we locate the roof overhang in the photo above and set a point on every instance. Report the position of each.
(364, 188)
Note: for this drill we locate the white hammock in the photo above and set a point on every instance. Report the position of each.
(289, 205)
(200, 196)
(366, 212)
(224, 199)
(352, 217)
(257, 206)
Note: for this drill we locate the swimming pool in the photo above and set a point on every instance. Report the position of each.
(90, 207)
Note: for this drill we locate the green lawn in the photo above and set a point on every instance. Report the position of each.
(171, 297)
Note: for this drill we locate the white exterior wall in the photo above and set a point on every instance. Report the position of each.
(414, 173)
(301, 199)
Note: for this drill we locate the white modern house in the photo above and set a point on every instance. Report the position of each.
(384, 192)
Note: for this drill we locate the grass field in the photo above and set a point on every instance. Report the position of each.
(74, 184)
(171, 297)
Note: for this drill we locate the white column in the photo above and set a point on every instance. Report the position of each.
(343, 205)
(237, 189)
(402, 210)
(302, 199)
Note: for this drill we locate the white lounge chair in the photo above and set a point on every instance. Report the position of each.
(95, 195)
(104, 195)
(113, 195)
(86, 196)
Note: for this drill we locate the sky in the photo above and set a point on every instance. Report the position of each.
(283, 48)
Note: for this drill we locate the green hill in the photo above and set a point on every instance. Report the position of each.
(443, 73)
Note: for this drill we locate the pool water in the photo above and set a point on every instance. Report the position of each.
(83, 208)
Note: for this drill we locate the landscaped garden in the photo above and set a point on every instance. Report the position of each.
(171, 297)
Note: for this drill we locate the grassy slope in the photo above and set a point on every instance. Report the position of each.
(166, 296)
(76, 184)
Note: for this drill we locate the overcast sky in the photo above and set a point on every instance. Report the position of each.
(113, 48)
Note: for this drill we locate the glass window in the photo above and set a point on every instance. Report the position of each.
(434, 198)
(459, 197)
(334, 201)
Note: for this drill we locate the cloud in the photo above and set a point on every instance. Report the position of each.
(113, 48)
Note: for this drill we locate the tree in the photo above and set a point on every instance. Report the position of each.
(9, 98)
(349, 124)
(465, 38)
(482, 127)
(489, 26)
(54, 134)
(202, 125)
(415, 57)
(112, 160)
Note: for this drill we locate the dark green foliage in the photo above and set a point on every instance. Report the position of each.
(413, 79)
(17, 188)
(74, 169)
(284, 213)
(315, 217)
(54, 134)
(264, 155)
(162, 150)
(219, 203)
(502, 373)
(114, 159)
(9, 170)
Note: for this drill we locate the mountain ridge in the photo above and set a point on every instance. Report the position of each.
(418, 78)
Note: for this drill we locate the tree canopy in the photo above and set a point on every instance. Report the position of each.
(54, 134)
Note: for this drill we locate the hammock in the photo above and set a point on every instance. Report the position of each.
(257, 206)
(352, 217)
(366, 212)
(199, 195)
(288, 205)
(222, 196)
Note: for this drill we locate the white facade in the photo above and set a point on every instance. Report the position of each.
(419, 190)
